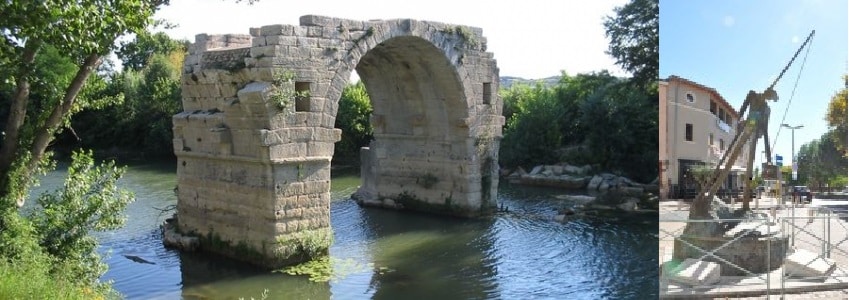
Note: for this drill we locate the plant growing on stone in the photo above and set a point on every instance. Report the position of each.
(312, 243)
(283, 92)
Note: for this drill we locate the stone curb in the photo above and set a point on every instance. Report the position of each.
(761, 290)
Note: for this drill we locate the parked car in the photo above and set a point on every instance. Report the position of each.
(803, 192)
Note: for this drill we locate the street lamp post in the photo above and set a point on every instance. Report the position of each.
(793, 165)
(792, 144)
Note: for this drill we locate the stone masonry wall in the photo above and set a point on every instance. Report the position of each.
(256, 135)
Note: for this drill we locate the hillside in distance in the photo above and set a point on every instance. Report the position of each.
(507, 81)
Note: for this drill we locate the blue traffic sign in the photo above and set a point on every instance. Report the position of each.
(779, 160)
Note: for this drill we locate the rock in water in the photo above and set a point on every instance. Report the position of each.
(139, 259)
(578, 199)
(594, 183)
(629, 205)
(536, 170)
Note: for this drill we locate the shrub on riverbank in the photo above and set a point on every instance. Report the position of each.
(34, 281)
(50, 248)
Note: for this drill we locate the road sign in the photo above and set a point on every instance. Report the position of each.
(779, 160)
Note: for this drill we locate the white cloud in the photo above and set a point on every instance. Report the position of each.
(795, 39)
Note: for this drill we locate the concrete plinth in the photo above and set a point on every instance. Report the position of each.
(756, 254)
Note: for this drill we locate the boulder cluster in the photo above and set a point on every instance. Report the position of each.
(601, 191)
(573, 177)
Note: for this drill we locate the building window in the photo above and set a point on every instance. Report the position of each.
(713, 107)
(691, 98)
(688, 132)
(722, 114)
(487, 93)
(302, 96)
(710, 139)
(721, 145)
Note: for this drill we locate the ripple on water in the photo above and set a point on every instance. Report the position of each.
(517, 255)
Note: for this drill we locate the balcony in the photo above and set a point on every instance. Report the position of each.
(723, 126)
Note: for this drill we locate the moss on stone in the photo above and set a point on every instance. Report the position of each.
(310, 243)
(410, 202)
(288, 250)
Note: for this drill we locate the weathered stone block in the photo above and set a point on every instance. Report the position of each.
(254, 92)
(278, 29)
(283, 40)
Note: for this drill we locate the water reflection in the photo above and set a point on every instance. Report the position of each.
(214, 277)
(438, 257)
(520, 254)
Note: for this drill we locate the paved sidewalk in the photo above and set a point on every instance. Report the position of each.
(811, 236)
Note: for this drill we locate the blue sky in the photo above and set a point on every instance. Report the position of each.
(531, 39)
(737, 46)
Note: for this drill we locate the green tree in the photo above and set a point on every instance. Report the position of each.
(142, 122)
(89, 201)
(83, 31)
(633, 34)
(821, 163)
(135, 54)
(532, 134)
(352, 118)
(836, 117)
(621, 130)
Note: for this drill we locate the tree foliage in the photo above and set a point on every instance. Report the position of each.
(352, 118)
(56, 236)
(820, 162)
(135, 54)
(49, 51)
(89, 201)
(595, 119)
(150, 96)
(634, 37)
(81, 32)
(532, 133)
(836, 117)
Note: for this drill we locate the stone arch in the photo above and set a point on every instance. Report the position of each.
(255, 139)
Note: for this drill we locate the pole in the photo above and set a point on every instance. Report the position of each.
(792, 163)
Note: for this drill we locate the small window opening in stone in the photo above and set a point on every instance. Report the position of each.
(487, 93)
(302, 96)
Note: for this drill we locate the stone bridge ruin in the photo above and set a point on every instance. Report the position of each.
(256, 136)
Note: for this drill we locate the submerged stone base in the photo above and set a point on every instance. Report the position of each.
(287, 250)
(434, 189)
(172, 238)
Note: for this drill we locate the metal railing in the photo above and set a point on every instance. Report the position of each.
(816, 230)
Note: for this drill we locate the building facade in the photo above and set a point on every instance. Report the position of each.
(696, 127)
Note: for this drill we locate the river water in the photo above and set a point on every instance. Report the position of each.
(383, 254)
